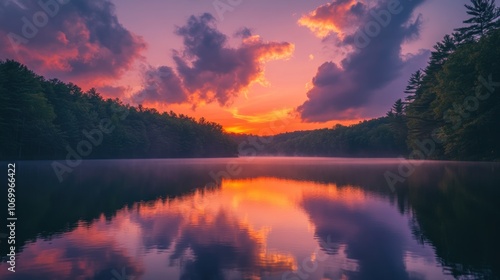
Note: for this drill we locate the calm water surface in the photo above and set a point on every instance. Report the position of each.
(266, 218)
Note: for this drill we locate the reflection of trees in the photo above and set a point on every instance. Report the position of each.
(456, 210)
(103, 187)
(454, 205)
(95, 188)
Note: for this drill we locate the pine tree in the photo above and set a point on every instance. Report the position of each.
(484, 18)
(414, 85)
(442, 50)
(397, 109)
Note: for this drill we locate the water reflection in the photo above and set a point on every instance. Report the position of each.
(206, 239)
(278, 219)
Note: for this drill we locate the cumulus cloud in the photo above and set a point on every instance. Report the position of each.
(384, 98)
(342, 91)
(209, 70)
(333, 17)
(79, 40)
(162, 85)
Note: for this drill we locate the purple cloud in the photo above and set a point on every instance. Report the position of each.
(208, 69)
(344, 91)
(79, 40)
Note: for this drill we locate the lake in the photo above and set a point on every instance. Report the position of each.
(257, 218)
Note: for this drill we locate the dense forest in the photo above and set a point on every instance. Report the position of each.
(372, 138)
(49, 119)
(454, 102)
(451, 110)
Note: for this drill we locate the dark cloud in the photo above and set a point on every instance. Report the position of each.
(384, 98)
(163, 85)
(343, 91)
(79, 40)
(243, 33)
(208, 69)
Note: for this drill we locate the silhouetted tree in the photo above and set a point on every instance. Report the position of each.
(484, 18)
(414, 85)
(40, 118)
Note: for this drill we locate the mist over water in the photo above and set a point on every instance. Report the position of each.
(257, 218)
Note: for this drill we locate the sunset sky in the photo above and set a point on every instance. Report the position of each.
(241, 63)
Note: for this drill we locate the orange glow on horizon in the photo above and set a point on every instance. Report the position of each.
(267, 123)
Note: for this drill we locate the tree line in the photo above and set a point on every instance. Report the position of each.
(48, 119)
(453, 104)
(450, 111)
(370, 138)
